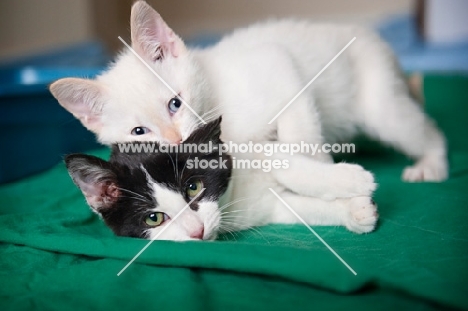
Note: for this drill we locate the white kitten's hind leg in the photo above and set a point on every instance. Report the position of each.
(428, 168)
(389, 114)
(401, 123)
(357, 214)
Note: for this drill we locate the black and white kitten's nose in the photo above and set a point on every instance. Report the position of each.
(198, 234)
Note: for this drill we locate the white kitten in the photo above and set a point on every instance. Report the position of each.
(248, 78)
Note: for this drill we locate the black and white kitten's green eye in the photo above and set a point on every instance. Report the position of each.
(194, 188)
(140, 130)
(174, 105)
(156, 219)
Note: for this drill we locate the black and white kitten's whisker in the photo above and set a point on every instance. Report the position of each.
(132, 192)
(250, 210)
(239, 227)
(138, 199)
(232, 203)
(234, 224)
(230, 229)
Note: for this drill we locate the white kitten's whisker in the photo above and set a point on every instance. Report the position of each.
(211, 111)
(210, 115)
(173, 165)
(185, 165)
(177, 168)
(238, 176)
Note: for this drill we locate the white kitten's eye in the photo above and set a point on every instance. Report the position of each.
(174, 105)
(156, 219)
(140, 130)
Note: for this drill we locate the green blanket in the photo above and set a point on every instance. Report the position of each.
(57, 255)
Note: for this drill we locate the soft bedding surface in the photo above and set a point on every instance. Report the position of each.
(57, 255)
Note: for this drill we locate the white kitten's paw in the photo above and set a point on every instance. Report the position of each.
(350, 180)
(429, 169)
(362, 215)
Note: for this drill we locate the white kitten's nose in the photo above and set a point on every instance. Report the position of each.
(198, 234)
(172, 136)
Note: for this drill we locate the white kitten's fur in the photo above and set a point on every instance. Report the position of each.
(248, 78)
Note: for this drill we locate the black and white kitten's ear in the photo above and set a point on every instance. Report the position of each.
(206, 133)
(95, 179)
(81, 97)
(151, 37)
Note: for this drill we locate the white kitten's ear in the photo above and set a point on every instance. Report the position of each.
(82, 98)
(96, 180)
(151, 37)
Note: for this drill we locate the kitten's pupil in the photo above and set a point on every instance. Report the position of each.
(140, 130)
(174, 104)
(153, 217)
(193, 186)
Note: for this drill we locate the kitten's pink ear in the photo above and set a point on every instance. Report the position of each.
(82, 98)
(96, 180)
(151, 37)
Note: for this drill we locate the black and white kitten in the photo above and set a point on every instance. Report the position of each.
(136, 194)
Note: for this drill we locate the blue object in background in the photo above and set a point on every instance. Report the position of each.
(415, 55)
(35, 131)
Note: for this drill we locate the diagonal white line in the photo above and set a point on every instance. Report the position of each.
(159, 233)
(313, 231)
(161, 79)
(313, 79)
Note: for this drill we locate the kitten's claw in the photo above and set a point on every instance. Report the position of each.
(362, 215)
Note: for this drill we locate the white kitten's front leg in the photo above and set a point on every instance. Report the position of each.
(300, 122)
(357, 214)
(314, 174)
(327, 181)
